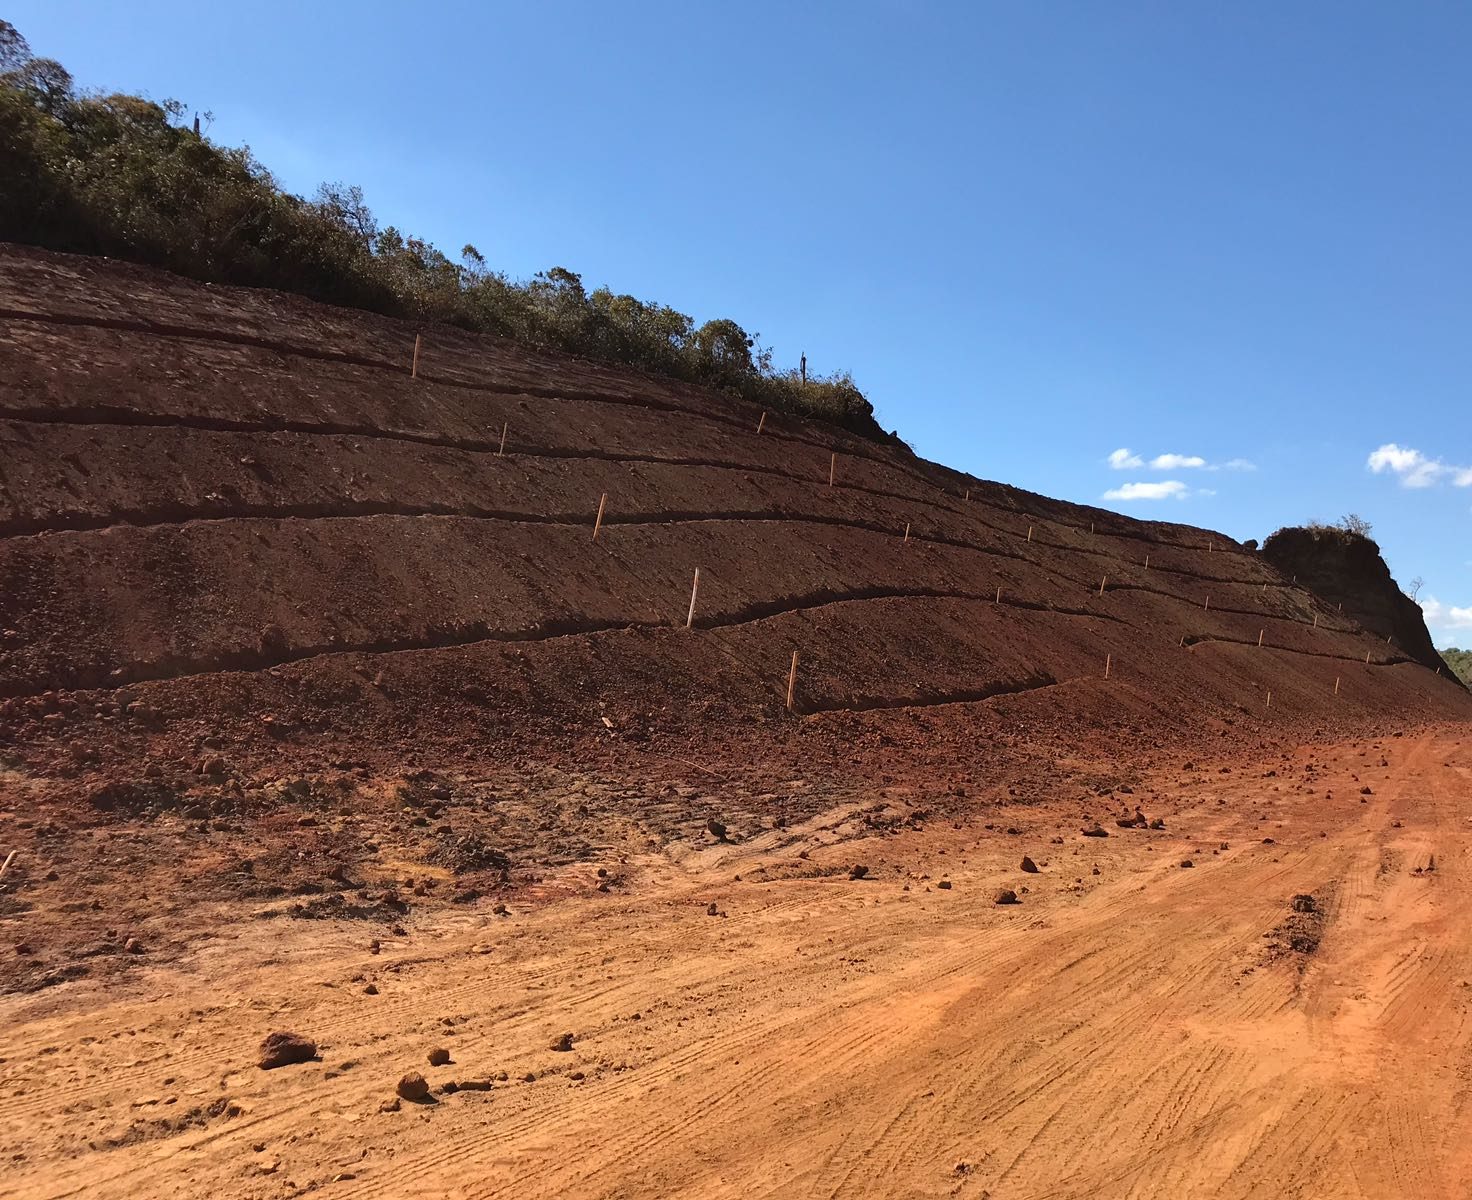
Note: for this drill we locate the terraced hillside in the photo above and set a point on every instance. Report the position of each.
(1092, 857)
(223, 500)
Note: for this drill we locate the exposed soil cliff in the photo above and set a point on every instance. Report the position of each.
(1346, 569)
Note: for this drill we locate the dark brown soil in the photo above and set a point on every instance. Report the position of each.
(282, 630)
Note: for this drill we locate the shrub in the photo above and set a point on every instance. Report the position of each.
(123, 176)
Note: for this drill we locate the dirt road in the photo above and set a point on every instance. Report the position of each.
(1150, 1030)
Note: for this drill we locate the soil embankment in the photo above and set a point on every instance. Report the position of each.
(1093, 857)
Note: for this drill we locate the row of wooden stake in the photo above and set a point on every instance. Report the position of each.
(832, 479)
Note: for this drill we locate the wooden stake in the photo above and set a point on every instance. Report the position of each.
(1336, 685)
(1367, 658)
(1316, 620)
(832, 469)
(1183, 639)
(1091, 527)
(1147, 562)
(501, 453)
(1102, 582)
(968, 493)
(598, 521)
(1029, 533)
(694, 588)
(1270, 699)
(1207, 605)
(9, 858)
(1108, 662)
(792, 681)
(907, 531)
(1209, 547)
(762, 424)
(414, 370)
(1260, 632)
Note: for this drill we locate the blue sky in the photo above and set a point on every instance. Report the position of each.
(1037, 232)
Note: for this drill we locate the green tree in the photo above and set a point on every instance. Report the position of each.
(125, 176)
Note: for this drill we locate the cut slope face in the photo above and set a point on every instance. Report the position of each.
(218, 501)
(1346, 570)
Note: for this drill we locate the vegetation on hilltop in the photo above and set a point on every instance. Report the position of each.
(123, 176)
(1460, 662)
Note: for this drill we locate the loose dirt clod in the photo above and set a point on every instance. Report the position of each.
(413, 1087)
(282, 1049)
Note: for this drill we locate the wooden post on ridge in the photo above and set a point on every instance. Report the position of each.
(792, 681)
(1102, 582)
(501, 453)
(832, 468)
(1260, 632)
(1270, 698)
(999, 593)
(414, 367)
(1029, 533)
(907, 531)
(1336, 685)
(1108, 662)
(694, 588)
(598, 521)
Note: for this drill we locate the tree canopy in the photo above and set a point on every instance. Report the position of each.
(127, 177)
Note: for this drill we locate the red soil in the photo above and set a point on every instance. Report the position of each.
(283, 634)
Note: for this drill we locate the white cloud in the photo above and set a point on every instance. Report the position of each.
(1445, 616)
(1414, 469)
(1167, 489)
(1128, 460)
